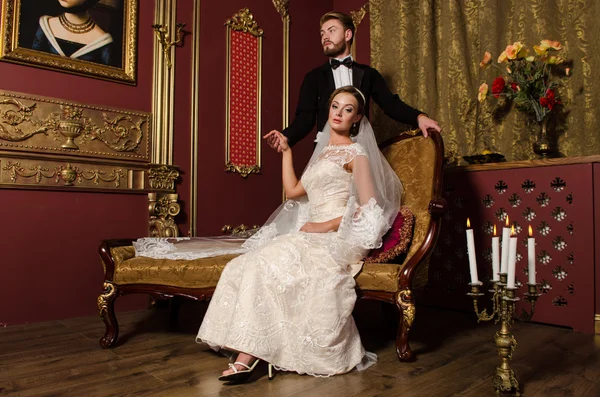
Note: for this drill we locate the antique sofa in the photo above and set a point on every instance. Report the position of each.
(416, 160)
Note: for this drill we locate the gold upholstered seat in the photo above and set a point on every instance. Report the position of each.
(416, 160)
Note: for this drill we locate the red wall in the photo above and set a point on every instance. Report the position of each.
(49, 268)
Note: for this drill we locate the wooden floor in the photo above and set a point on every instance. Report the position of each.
(455, 357)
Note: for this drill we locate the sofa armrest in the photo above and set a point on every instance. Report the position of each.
(108, 259)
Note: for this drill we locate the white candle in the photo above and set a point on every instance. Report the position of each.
(531, 256)
(512, 260)
(495, 258)
(505, 246)
(471, 253)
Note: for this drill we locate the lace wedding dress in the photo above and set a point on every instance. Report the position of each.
(289, 299)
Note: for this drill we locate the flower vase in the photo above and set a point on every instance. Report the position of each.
(543, 145)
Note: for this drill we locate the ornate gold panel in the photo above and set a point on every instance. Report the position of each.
(23, 172)
(357, 17)
(44, 125)
(243, 91)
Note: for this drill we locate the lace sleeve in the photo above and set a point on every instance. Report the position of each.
(364, 222)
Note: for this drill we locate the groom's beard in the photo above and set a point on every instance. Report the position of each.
(336, 51)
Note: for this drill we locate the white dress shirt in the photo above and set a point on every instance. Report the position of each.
(342, 75)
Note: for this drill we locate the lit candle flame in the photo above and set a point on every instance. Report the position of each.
(468, 223)
(530, 231)
(506, 220)
(512, 230)
(495, 229)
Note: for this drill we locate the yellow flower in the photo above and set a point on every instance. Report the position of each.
(503, 57)
(483, 91)
(554, 60)
(487, 58)
(530, 58)
(546, 45)
(515, 50)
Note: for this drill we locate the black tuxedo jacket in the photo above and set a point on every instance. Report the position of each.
(317, 87)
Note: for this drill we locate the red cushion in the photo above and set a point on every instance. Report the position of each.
(397, 240)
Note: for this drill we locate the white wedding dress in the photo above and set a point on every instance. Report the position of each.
(289, 300)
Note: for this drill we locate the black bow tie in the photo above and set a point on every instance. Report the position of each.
(335, 63)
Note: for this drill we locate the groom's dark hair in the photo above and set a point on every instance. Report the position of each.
(343, 18)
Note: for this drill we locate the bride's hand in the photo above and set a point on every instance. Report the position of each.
(282, 143)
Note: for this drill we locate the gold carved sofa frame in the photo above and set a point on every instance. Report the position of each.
(417, 161)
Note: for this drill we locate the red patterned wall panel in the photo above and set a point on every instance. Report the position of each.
(557, 201)
(243, 94)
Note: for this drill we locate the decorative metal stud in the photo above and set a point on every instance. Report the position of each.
(488, 227)
(558, 184)
(529, 214)
(559, 273)
(501, 187)
(543, 199)
(488, 201)
(543, 257)
(559, 301)
(528, 186)
(500, 214)
(544, 228)
(558, 214)
(545, 286)
(559, 243)
(514, 200)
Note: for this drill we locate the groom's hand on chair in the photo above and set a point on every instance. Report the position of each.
(425, 123)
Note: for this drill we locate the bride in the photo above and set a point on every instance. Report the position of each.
(288, 299)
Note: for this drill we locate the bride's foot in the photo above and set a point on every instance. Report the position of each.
(242, 358)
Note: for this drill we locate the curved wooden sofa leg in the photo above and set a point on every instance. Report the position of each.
(106, 307)
(406, 308)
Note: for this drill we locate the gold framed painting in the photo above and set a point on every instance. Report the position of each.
(94, 38)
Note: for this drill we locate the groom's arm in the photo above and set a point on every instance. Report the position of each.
(306, 111)
(391, 103)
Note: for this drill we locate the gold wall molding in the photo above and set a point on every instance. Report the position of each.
(194, 124)
(243, 22)
(162, 209)
(162, 177)
(23, 172)
(163, 98)
(357, 17)
(48, 125)
(282, 8)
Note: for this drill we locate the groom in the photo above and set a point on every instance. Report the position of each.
(337, 34)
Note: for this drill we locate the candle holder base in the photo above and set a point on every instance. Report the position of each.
(505, 382)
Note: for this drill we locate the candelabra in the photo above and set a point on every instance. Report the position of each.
(164, 38)
(503, 309)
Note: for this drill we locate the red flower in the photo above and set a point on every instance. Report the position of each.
(498, 86)
(544, 101)
(550, 95)
(514, 86)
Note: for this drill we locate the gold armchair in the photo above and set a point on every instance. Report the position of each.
(417, 161)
